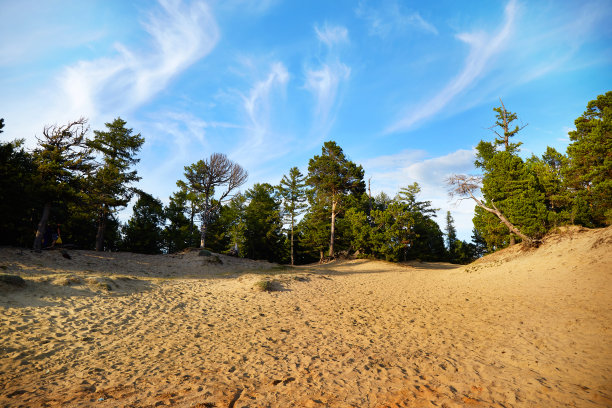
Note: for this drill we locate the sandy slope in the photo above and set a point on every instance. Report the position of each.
(518, 328)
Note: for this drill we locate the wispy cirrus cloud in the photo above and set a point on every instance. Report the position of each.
(332, 35)
(257, 102)
(261, 105)
(384, 20)
(483, 48)
(324, 82)
(180, 35)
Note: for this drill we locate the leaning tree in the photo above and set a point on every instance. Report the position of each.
(61, 157)
(464, 186)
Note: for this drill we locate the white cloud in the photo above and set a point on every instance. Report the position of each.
(324, 81)
(332, 35)
(257, 103)
(389, 173)
(483, 48)
(181, 34)
(391, 18)
(261, 105)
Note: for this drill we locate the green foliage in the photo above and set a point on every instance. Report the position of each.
(451, 237)
(589, 173)
(180, 233)
(504, 123)
(62, 159)
(205, 177)
(397, 229)
(292, 189)
(333, 178)
(510, 185)
(465, 252)
(314, 231)
(18, 194)
(263, 234)
(143, 232)
(109, 187)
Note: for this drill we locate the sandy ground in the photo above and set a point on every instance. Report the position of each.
(517, 328)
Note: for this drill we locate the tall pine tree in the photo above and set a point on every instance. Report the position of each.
(333, 177)
(110, 185)
(292, 188)
(589, 174)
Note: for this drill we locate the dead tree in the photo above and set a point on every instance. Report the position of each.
(464, 186)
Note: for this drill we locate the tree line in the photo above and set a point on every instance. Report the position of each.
(72, 185)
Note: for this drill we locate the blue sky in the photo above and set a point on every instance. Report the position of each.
(405, 88)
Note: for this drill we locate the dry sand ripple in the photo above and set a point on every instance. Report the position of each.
(514, 329)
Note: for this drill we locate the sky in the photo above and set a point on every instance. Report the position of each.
(406, 88)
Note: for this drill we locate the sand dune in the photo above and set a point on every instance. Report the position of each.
(517, 328)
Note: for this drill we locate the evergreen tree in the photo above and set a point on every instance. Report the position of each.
(549, 171)
(263, 224)
(451, 236)
(480, 244)
(465, 252)
(589, 173)
(180, 233)
(193, 205)
(333, 177)
(315, 228)
(143, 232)
(393, 231)
(110, 185)
(204, 177)
(18, 195)
(509, 188)
(233, 216)
(504, 123)
(292, 188)
(62, 157)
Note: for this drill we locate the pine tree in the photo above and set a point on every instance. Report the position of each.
(204, 177)
(333, 177)
(315, 228)
(292, 188)
(513, 198)
(180, 232)
(110, 185)
(589, 173)
(143, 232)
(263, 224)
(451, 236)
(62, 158)
(17, 193)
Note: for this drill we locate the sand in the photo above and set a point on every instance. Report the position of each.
(517, 328)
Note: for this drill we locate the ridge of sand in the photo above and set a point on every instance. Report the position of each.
(517, 328)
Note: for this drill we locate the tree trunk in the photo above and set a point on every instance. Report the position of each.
(191, 226)
(292, 242)
(504, 220)
(333, 225)
(42, 227)
(203, 235)
(100, 234)
(512, 240)
(320, 256)
(101, 229)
